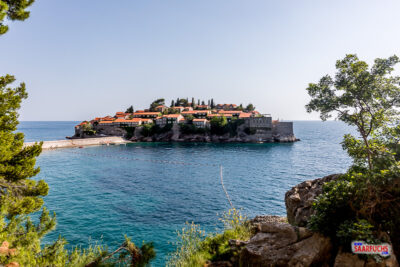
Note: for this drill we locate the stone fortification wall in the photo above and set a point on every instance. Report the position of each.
(283, 128)
(259, 122)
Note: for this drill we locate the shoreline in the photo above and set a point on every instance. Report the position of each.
(81, 142)
(117, 140)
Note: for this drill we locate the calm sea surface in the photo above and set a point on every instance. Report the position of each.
(103, 197)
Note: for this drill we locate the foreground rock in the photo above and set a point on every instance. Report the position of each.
(281, 244)
(346, 259)
(278, 243)
(299, 199)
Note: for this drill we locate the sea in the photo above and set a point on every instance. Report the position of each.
(148, 191)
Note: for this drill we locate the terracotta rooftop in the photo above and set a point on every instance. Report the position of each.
(230, 111)
(245, 115)
(146, 113)
(172, 116)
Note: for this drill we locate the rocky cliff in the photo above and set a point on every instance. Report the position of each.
(277, 242)
(175, 134)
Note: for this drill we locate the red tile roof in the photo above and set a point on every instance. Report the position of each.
(220, 115)
(200, 120)
(189, 112)
(172, 116)
(245, 115)
(146, 113)
(230, 111)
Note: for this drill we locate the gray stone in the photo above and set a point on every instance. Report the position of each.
(281, 244)
(300, 198)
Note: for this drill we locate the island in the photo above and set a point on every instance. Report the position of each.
(185, 121)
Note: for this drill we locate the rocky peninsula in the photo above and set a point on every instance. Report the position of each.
(188, 122)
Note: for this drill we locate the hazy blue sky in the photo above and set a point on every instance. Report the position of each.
(82, 59)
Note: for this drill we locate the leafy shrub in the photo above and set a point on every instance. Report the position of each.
(195, 248)
(221, 126)
(152, 129)
(359, 206)
(217, 125)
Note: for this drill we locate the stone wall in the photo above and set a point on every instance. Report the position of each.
(259, 122)
(283, 128)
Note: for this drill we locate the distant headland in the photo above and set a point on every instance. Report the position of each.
(185, 121)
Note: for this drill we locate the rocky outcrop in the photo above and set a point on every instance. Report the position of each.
(347, 259)
(278, 243)
(299, 199)
(175, 135)
(281, 244)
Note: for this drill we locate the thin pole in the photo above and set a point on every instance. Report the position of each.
(223, 187)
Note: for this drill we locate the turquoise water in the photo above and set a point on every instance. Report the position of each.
(46, 130)
(103, 197)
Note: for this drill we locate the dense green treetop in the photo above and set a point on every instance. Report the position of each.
(156, 103)
(129, 110)
(364, 97)
(250, 107)
(363, 203)
(13, 10)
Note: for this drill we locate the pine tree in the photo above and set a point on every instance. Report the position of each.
(20, 195)
(212, 105)
(13, 10)
(172, 103)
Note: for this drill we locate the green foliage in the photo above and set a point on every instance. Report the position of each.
(129, 110)
(88, 129)
(218, 125)
(171, 111)
(13, 10)
(365, 98)
(156, 103)
(370, 198)
(152, 129)
(21, 196)
(191, 129)
(365, 201)
(349, 231)
(195, 248)
(181, 102)
(212, 104)
(221, 126)
(250, 107)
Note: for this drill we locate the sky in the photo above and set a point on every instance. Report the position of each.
(84, 59)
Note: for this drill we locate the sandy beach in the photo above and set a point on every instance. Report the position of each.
(81, 142)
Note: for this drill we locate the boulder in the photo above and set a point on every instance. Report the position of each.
(281, 244)
(347, 259)
(299, 199)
